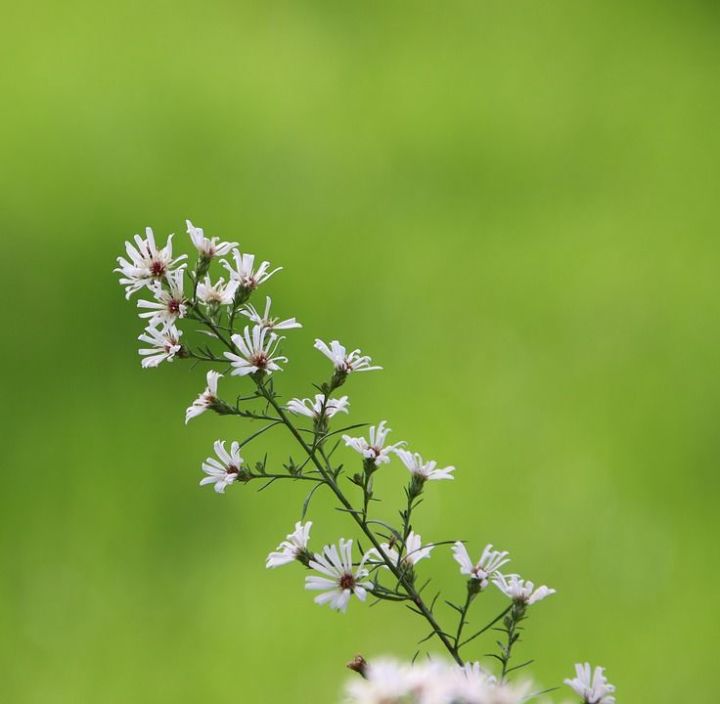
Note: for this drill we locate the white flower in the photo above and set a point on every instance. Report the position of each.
(414, 551)
(165, 345)
(169, 304)
(520, 590)
(434, 681)
(257, 349)
(424, 470)
(384, 681)
(208, 247)
(374, 449)
(291, 549)
(244, 273)
(219, 293)
(474, 671)
(490, 562)
(224, 472)
(342, 361)
(146, 263)
(475, 685)
(206, 399)
(341, 581)
(265, 320)
(593, 687)
(314, 408)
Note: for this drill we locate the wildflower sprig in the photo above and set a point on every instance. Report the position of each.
(192, 315)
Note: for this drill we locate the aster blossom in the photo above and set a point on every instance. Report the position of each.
(208, 247)
(489, 563)
(245, 273)
(146, 262)
(224, 470)
(521, 591)
(473, 684)
(341, 580)
(319, 406)
(257, 349)
(473, 670)
(169, 304)
(343, 362)
(591, 685)
(206, 399)
(374, 449)
(293, 548)
(413, 553)
(219, 293)
(266, 320)
(431, 682)
(164, 345)
(424, 471)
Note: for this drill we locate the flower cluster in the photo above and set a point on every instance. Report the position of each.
(223, 328)
(432, 682)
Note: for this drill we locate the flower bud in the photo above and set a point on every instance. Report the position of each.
(474, 587)
(358, 664)
(241, 295)
(221, 408)
(415, 487)
(369, 465)
(202, 266)
(304, 556)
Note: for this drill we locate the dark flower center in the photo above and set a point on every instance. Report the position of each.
(249, 283)
(174, 306)
(260, 360)
(347, 581)
(157, 268)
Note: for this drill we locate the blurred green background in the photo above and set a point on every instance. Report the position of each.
(511, 206)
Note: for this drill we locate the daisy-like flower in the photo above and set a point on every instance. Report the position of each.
(169, 304)
(294, 548)
(222, 472)
(245, 274)
(519, 590)
(266, 320)
(385, 681)
(425, 471)
(475, 671)
(218, 293)
(490, 562)
(414, 551)
(206, 399)
(208, 247)
(593, 687)
(343, 362)
(257, 349)
(314, 408)
(475, 685)
(375, 449)
(340, 580)
(165, 344)
(145, 263)
(431, 682)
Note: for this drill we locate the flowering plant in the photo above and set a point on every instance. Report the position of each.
(244, 342)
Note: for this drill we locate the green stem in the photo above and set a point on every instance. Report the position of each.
(463, 616)
(511, 623)
(485, 628)
(301, 477)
